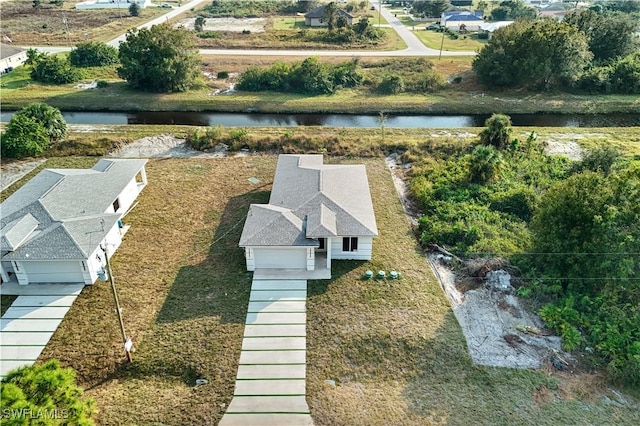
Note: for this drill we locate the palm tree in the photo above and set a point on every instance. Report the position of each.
(485, 165)
(497, 131)
(49, 117)
(330, 16)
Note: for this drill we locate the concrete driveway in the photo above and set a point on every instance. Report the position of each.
(27, 326)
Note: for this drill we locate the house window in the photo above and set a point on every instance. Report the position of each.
(350, 244)
(116, 205)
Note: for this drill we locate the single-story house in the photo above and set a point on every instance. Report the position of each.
(462, 21)
(316, 212)
(315, 17)
(112, 4)
(59, 226)
(489, 27)
(11, 57)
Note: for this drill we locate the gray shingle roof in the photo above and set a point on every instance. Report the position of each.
(69, 207)
(318, 12)
(7, 51)
(334, 199)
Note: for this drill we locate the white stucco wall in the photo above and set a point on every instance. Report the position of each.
(365, 247)
(13, 61)
(96, 260)
(109, 4)
(127, 197)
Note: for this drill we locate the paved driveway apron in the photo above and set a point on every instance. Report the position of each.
(33, 317)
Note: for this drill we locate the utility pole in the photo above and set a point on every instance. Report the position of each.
(441, 42)
(127, 342)
(379, 12)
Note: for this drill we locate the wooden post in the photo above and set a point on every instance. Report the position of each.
(126, 342)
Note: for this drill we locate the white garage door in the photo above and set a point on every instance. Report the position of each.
(280, 258)
(54, 272)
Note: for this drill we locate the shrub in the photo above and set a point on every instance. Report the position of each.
(55, 70)
(93, 54)
(222, 75)
(46, 388)
(391, 84)
(101, 84)
(209, 34)
(429, 81)
(134, 9)
(24, 137)
(600, 159)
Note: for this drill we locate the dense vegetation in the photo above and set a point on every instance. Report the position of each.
(93, 54)
(52, 69)
(44, 394)
(313, 77)
(573, 229)
(160, 59)
(596, 50)
(249, 8)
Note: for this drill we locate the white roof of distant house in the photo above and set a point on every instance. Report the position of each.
(60, 213)
(310, 200)
(492, 26)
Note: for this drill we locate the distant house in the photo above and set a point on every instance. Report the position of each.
(57, 227)
(316, 212)
(11, 57)
(112, 4)
(462, 21)
(315, 17)
(556, 11)
(488, 28)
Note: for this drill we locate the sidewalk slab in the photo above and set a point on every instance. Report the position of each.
(269, 330)
(273, 357)
(35, 312)
(270, 387)
(20, 353)
(279, 285)
(271, 372)
(266, 419)
(273, 343)
(268, 404)
(27, 325)
(43, 301)
(279, 306)
(31, 338)
(274, 295)
(276, 318)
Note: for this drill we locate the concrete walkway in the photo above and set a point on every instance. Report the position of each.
(33, 317)
(270, 385)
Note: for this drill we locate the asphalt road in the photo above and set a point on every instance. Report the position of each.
(414, 45)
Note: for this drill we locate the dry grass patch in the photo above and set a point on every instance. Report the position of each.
(44, 26)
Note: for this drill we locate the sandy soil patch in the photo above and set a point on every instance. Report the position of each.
(237, 25)
(164, 146)
(571, 150)
(15, 170)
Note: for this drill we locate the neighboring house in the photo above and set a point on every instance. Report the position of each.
(489, 27)
(556, 11)
(11, 57)
(315, 17)
(55, 227)
(112, 4)
(316, 212)
(462, 21)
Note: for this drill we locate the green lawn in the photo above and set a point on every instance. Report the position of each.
(433, 39)
(394, 349)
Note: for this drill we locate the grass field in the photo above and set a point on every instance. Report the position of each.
(467, 97)
(393, 348)
(433, 39)
(44, 26)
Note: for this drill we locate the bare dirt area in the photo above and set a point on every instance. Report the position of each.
(235, 25)
(164, 146)
(14, 170)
